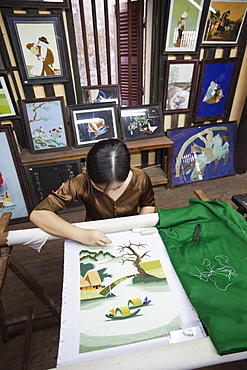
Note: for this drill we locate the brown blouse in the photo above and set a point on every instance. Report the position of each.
(99, 205)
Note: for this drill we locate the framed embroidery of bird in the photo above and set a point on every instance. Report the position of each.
(46, 124)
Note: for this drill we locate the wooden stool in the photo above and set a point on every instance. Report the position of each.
(241, 201)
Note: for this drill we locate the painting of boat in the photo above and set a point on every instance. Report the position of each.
(137, 302)
(121, 313)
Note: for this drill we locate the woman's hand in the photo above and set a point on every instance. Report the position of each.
(53, 224)
(94, 238)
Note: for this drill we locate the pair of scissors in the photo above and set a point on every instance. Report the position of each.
(197, 232)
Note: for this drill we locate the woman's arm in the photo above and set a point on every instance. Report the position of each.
(53, 224)
(147, 209)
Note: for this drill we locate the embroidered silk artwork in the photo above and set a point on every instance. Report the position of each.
(121, 298)
(124, 295)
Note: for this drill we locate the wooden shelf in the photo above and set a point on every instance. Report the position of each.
(159, 175)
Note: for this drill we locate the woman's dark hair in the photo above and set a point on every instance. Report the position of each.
(108, 161)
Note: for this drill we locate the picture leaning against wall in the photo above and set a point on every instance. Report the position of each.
(13, 187)
(202, 152)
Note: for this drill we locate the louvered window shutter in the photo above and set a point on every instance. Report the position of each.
(130, 51)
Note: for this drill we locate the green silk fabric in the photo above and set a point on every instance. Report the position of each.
(213, 271)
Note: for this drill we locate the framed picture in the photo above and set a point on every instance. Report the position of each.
(215, 89)
(224, 22)
(93, 122)
(35, 3)
(39, 48)
(14, 195)
(57, 172)
(180, 81)
(141, 122)
(4, 57)
(202, 152)
(2, 67)
(46, 124)
(7, 103)
(183, 25)
(101, 94)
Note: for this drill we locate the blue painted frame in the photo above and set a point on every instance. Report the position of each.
(202, 152)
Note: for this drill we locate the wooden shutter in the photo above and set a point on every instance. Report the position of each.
(129, 18)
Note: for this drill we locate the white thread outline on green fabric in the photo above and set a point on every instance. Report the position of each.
(212, 271)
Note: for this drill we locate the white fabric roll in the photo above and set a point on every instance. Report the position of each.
(36, 238)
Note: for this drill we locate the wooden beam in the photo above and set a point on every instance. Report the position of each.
(20, 271)
(201, 195)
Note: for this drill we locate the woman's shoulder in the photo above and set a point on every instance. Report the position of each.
(82, 179)
(139, 175)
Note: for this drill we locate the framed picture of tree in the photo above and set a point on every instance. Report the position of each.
(179, 84)
(46, 124)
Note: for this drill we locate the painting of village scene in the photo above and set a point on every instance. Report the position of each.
(180, 76)
(124, 294)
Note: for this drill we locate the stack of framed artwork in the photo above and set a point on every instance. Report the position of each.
(200, 87)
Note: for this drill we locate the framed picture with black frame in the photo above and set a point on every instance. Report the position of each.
(39, 47)
(101, 94)
(182, 30)
(7, 103)
(4, 58)
(53, 4)
(43, 178)
(224, 24)
(179, 84)
(215, 89)
(202, 152)
(46, 124)
(141, 122)
(14, 194)
(93, 122)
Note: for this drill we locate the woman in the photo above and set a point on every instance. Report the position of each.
(109, 189)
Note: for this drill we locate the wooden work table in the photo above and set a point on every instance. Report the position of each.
(160, 174)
